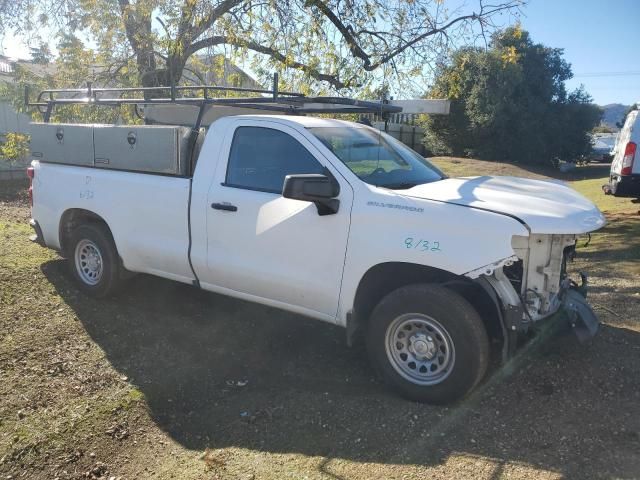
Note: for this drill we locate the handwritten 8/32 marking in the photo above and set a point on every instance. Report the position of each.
(422, 245)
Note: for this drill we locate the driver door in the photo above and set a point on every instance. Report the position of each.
(264, 246)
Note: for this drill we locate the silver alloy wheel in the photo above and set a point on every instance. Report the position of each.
(420, 349)
(88, 260)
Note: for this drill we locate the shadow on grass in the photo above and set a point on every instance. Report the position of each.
(306, 392)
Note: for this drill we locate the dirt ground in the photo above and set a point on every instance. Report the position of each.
(165, 381)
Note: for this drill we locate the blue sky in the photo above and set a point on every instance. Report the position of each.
(601, 40)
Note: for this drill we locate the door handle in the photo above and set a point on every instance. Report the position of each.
(224, 206)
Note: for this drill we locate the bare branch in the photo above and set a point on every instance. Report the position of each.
(346, 31)
(351, 37)
(218, 11)
(333, 80)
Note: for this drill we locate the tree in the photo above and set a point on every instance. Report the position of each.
(631, 108)
(41, 54)
(71, 69)
(15, 147)
(318, 43)
(509, 102)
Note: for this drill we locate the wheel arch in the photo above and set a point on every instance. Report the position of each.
(384, 278)
(74, 217)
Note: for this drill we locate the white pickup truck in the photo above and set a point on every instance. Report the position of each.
(336, 221)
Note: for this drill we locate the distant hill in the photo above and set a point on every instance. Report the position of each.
(613, 113)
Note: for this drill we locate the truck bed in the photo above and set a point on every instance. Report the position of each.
(147, 214)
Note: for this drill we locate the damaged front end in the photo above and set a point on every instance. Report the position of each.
(533, 285)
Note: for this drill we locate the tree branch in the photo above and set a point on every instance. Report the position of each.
(345, 31)
(129, 25)
(219, 10)
(333, 80)
(357, 51)
(394, 53)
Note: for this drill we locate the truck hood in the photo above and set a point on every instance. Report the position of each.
(546, 207)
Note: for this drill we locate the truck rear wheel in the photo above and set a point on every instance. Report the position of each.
(428, 343)
(93, 260)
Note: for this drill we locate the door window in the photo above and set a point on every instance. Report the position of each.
(261, 157)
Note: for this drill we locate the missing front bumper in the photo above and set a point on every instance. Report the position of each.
(582, 319)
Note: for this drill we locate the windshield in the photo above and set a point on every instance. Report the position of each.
(377, 158)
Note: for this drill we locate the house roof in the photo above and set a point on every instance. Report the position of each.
(213, 69)
(8, 67)
(217, 70)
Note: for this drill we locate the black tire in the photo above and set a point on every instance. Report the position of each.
(96, 237)
(451, 315)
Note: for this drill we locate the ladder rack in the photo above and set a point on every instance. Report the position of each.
(202, 96)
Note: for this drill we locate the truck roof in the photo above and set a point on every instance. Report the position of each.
(306, 122)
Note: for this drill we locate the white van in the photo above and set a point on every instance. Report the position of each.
(624, 179)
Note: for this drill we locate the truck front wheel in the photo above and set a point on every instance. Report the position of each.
(428, 343)
(93, 260)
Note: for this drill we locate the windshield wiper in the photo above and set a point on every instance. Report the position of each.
(400, 186)
(406, 185)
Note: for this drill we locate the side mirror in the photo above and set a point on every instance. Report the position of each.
(315, 188)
